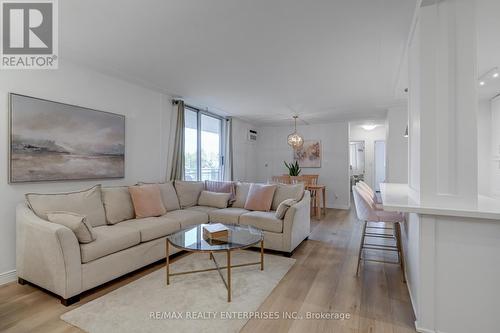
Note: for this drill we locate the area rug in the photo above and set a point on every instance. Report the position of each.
(191, 303)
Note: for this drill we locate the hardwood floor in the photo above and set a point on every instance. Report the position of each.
(322, 280)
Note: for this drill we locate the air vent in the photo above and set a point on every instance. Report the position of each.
(252, 135)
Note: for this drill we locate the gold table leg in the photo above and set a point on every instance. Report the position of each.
(168, 262)
(229, 275)
(262, 254)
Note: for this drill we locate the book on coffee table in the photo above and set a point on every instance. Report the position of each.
(216, 231)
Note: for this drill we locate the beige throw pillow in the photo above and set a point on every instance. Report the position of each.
(147, 200)
(260, 197)
(283, 208)
(117, 204)
(214, 199)
(76, 222)
(86, 202)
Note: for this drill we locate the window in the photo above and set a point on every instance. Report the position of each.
(202, 145)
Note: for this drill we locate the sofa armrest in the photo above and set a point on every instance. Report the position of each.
(297, 223)
(47, 254)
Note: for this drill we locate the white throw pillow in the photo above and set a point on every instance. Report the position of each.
(76, 222)
(214, 199)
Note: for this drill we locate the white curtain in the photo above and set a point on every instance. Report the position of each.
(177, 171)
(228, 153)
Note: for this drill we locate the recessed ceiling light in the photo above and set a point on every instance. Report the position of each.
(482, 83)
(368, 127)
(495, 75)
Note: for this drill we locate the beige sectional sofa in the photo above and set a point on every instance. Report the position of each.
(50, 256)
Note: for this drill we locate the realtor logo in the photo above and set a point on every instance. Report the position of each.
(28, 34)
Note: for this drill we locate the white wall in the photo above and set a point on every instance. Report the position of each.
(244, 152)
(334, 172)
(147, 132)
(357, 133)
(397, 146)
(484, 129)
(494, 157)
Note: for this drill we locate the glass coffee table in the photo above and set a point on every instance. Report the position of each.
(240, 237)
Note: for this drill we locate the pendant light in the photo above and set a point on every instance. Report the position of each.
(294, 139)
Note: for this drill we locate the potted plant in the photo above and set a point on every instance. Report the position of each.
(293, 168)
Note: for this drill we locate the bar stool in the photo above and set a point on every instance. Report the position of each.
(367, 212)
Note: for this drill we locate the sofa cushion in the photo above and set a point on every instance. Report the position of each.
(283, 208)
(109, 239)
(169, 196)
(147, 200)
(214, 199)
(76, 222)
(263, 220)
(188, 192)
(260, 197)
(86, 202)
(153, 227)
(229, 215)
(117, 204)
(203, 209)
(241, 194)
(187, 217)
(285, 191)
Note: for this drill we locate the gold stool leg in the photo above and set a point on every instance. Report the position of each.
(361, 247)
(229, 275)
(397, 227)
(262, 255)
(167, 262)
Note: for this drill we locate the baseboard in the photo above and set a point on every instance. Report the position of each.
(424, 330)
(8, 277)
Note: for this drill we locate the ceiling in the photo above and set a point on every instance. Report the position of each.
(261, 60)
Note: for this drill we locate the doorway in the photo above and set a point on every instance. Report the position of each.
(379, 164)
(356, 161)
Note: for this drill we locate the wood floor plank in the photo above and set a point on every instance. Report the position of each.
(323, 280)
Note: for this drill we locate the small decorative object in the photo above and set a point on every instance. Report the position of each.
(309, 155)
(215, 232)
(293, 168)
(56, 141)
(294, 139)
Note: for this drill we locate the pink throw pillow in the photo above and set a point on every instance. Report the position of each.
(260, 197)
(147, 200)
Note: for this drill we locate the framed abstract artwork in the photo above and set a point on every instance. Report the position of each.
(52, 141)
(309, 155)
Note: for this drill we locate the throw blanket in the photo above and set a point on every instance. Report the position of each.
(221, 187)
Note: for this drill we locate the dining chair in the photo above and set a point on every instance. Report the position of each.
(369, 190)
(367, 212)
(308, 180)
(285, 179)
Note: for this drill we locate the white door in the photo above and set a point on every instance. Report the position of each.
(379, 164)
